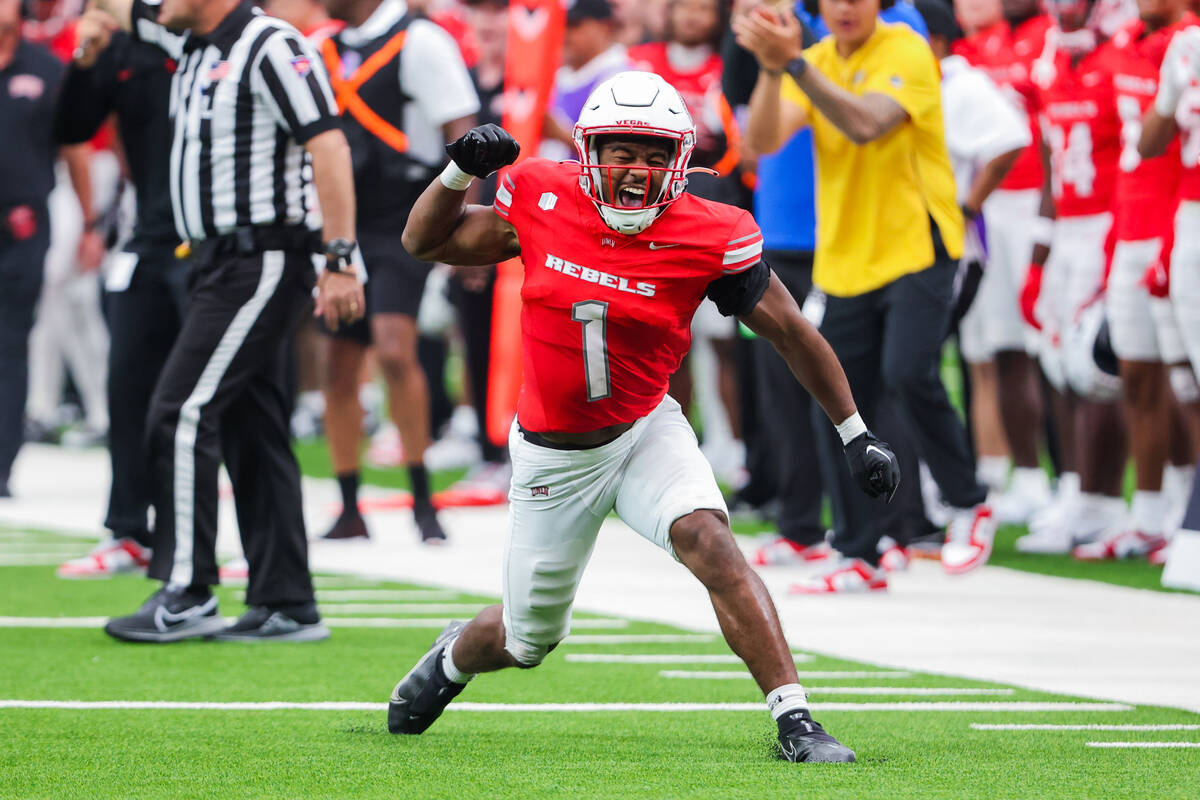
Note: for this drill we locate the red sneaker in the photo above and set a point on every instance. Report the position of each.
(109, 558)
(781, 552)
(1121, 543)
(968, 539)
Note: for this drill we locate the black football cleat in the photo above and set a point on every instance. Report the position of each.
(811, 744)
(421, 695)
(428, 526)
(171, 614)
(349, 525)
(262, 624)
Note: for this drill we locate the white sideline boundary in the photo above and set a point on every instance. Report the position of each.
(395, 595)
(982, 726)
(814, 674)
(1145, 745)
(640, 638)
(174, 705)
(643, 658)
(400, 608)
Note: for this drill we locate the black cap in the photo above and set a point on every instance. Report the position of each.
(580, 10)
(939, 18)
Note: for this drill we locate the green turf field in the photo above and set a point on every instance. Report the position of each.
(346, 752)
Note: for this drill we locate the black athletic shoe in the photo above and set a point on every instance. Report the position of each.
(421, 696)
(428, 525)
(348, 526)
(262, 624)
(171, 614)
(809, 742)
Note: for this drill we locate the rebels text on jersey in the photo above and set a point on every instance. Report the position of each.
(1146, 189)
(1080, 126)
(605, 317)
(1006, 54)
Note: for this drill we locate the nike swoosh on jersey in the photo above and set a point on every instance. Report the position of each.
(657, 246)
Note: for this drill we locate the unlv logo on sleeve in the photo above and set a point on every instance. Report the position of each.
(28, 86)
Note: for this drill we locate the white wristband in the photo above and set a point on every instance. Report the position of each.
(1042, 230)
(851, 427)
(454, 178)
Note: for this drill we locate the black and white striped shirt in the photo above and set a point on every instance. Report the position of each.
(245, 98)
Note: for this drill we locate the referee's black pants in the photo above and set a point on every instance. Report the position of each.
(223, 394)
(22, 263)
(144, 320)
(889, 343)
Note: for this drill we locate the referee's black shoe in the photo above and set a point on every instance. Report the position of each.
(423, 694)
(264, 624)
(801, 738)
(172, 613)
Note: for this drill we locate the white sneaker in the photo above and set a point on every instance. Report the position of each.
(778, 551)
(386, 449)
(968, 539)
(1121, 542)
(1063, 506)
(1088, 521)
(451, 452)
(114, 557)
(1027, 494)
(845, 576)
(893, 557)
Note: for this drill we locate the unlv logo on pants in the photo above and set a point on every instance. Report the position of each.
(22, 223)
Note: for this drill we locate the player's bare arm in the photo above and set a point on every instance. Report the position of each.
(775, 41)
(443, 227)
(121, 11)
(777, 318)
(989, 178)
(1157, 133)
(339, 294)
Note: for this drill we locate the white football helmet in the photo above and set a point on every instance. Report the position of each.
(1088, 359)
(642, 104)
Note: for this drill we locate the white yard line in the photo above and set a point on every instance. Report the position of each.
(41, 559)
(401, 608)
(640, 638)
(43, 547)
(327, 596)
(331, 621)
(643, 658)
(981, 726)
(1146, 745)
(173, 705)
(733, 675)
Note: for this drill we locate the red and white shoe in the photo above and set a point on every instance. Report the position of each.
(968, 539)
(847, 576)
(1119, 544)
(236, 570)
(1159, 557)
(114, 557)
(780, 552)
(893, 557)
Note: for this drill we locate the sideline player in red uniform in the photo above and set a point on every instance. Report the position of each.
(1143, 343)
(617, 258)
(1079, 123)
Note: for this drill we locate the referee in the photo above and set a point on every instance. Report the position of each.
(889, 233)
(252, 109)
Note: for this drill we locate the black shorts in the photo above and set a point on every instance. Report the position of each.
(395, 283)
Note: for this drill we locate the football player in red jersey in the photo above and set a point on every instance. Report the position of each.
(617, 258)
(1144, 344)
(1081, 131)
(1005, 50)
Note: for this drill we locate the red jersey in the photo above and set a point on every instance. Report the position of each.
(1006, 54)
(1080, 125)
(1145, 189)
(605, 317)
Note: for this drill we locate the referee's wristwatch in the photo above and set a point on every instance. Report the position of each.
(338, 253)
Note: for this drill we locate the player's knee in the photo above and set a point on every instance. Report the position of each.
(525, 654)
(704, 544)
(397, 363)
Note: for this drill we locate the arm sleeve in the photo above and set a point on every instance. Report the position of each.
(294, 85)
(85, 100)
(145, 28)
(742, 248)
(506, 189)
(908, 74)
(737, 295)
(432, 72)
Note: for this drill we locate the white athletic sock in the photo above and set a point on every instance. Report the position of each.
(992, 471)
(1068, 486)
(453, 672)
(786, 699)
(1149, 512)
(1030, 480)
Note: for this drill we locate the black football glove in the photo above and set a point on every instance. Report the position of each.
(873, 465)
(483, 150)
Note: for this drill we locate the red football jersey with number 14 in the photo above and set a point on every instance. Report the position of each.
(605, 317)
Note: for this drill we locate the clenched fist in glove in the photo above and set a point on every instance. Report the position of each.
(873, 465)
(483, 150)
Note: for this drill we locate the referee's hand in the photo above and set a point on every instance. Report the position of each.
(339, 298)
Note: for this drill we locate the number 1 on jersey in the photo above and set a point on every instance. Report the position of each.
(593, 316)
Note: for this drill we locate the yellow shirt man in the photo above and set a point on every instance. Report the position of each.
(875, 200)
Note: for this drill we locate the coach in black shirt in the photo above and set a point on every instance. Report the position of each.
(146, 283)
(252, 109)
(29, 79)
